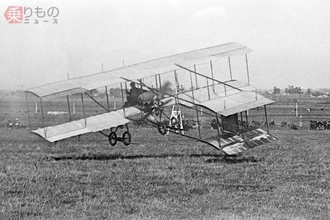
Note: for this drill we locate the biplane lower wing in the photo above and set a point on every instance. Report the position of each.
(87, 125)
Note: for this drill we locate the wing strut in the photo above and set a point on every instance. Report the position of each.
(266, 119)
(195, 76)
(156, 81)
(192, 89)
(211, 66)
(177, 87)
(83, 107)
(43, 117)
(160, 81)
(69, 110)
(218, 128)
(246, 116)
(90, 96)
(231, 74)
(122, 97)
(247, 68)
(218, 81)
(106, 93)
(208, 91)
(27, 107)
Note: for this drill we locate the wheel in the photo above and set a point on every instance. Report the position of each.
(112, 138)
(174, 122)
(155, 111)
(126, 138)
(162, 129)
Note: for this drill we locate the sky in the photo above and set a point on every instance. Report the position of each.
(290, 39)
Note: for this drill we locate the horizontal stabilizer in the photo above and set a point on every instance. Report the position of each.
(257, 137)
(235, 144)
(230, 144)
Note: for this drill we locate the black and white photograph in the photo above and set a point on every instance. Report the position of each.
(165, 109)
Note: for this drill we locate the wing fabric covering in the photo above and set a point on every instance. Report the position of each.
(226, 102)
(87, 125)
(138, 71)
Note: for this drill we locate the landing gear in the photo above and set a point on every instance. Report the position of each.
(113, 137)
(176, 122)
(162, 128)
(156, 111)
(126, 139)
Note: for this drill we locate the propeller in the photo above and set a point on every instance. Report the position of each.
(165, 89)
(160, 94)
(155, 94)
(155, 97)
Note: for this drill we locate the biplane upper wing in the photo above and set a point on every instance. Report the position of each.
(137, 71)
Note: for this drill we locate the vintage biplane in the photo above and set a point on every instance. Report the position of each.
(165, 93)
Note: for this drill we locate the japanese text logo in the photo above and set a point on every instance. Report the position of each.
(28, 15)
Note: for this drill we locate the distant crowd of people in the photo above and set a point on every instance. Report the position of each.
(14, 123)
(319, 125)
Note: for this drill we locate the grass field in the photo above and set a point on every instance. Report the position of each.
(166, 177)
(163, 178)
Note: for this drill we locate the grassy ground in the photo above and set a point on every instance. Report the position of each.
(163, 178)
